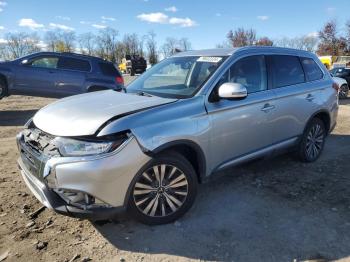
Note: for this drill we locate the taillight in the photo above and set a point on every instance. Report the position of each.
(119, 80)
(336, 87)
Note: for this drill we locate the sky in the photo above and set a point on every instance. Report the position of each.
(204, 23)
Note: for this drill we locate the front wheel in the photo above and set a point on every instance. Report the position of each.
(312, 142)
(163, 190)
(344, 91)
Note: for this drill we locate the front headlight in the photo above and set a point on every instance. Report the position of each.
(73, 147)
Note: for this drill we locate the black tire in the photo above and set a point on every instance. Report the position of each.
(312, 141)
(175, 187)
(344, 91)
(3, 88)
(132, 72)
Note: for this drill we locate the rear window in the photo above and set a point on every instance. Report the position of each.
(109, 69)
(74, 64)
(287, 70)
(312, 70)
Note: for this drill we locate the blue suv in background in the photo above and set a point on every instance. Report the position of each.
(50, 74)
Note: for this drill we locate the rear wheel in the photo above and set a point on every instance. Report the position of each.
(163, 190)
(344, 91)
(312, 142)
(3, 88)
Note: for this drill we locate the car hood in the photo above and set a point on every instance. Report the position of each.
(82, 115)
(339, 81)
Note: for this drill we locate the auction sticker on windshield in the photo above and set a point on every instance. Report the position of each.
(209, 59)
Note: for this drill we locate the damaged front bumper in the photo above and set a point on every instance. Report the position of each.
(94, 187)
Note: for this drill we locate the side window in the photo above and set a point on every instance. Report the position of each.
(250, 72)
(287, 70)
(312, 70)
(45, 62)
(74, 64)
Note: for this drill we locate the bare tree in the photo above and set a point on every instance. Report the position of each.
(184, 44)
(131, 43)
(67, 40)
(20, 44)
(169, 47)
(307, 42)
(51, 39)
(151, 46)
(107, 44)
(87, 43)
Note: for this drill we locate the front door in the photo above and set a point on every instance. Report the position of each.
(36, 77)
(241, 127)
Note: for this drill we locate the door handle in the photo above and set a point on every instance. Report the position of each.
(310, 97)
(267, 107)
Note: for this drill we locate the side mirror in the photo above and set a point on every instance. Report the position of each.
(25, 62)
(232, 91)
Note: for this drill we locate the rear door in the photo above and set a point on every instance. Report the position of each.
(297, 94)
(36, 77)
(71, 76)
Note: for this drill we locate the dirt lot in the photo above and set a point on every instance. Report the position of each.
(275, 210)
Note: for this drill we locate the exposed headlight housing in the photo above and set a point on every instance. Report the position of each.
(74, 147)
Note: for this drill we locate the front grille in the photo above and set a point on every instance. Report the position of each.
(40, 142)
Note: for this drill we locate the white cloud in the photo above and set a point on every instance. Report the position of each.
(171, 9)
(62, 27)
(312, 34)
(2, 27)
(66, 18)
(30, 23)
(331, 10)
(3, 41)
(99, 26)
(263, 17)
(183, 22)
(154, 18)
(106, 18)
(161, 18)
(42, 45)
(85, 22)
(2, 3)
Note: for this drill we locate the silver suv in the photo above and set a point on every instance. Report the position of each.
(191, 115)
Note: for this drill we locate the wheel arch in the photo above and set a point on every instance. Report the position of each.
(190, 150)
(324, 116)
(3, 77)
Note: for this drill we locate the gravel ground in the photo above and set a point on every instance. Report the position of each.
(274, 210)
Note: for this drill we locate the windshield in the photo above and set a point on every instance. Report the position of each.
(176, 77)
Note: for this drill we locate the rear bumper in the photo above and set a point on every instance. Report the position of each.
(52, 200)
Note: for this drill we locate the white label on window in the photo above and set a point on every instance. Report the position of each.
(209, 59)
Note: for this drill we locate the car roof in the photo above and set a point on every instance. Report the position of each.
(231, 51)
(69, 54)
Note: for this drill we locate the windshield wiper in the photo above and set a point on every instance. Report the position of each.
(142, 93)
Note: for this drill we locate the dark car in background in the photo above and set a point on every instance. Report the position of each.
(342, 72)
(135, 64)
(51, 74)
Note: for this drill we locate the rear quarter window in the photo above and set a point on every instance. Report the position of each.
(74, 64)
(311, 68)
(287, 70)
(109, 69)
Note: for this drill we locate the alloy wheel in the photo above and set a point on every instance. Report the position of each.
(160, 191)
(314, 141)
